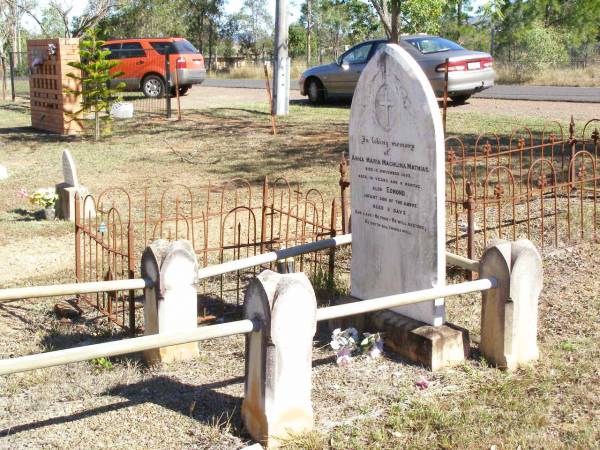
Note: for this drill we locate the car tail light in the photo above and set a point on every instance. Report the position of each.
(466, 64)
(181, 63)
(453, 66)
(486, 63)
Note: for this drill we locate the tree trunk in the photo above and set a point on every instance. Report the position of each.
(308, 30)
(97, 120)
(395, 13)
(210, 45)
(200, 32)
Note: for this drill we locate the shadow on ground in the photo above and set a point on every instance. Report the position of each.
(203, 403)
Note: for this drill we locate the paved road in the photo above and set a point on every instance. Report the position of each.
(507, 92)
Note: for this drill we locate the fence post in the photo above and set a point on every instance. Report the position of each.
(331, 274)
(11, 61)
(344, 184)
(509, 312)
(77, 238)
(131, 271)
(277, 398)
(445, 93)
(170, 304)
(469, 205)
(573, 147)
(168, 83)
(263, 214)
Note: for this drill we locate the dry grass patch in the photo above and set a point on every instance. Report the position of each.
(369, 404)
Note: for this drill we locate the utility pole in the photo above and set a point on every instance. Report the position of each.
(281, 72)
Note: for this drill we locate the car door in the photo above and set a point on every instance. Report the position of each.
(350, 66)
(133, 63)
(115, 54)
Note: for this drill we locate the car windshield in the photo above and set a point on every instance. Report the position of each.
(433, 44)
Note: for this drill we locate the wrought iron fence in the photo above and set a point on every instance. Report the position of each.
(16, 76)
(224, 221)
(540, 186)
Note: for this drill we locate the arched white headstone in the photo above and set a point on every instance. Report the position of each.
(397, 183)
(69, 169)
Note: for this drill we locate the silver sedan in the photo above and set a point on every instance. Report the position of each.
(468, 71)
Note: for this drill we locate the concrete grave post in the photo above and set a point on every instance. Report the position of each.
(509, 312)
(279, 356)
(68, 189)
(171, 303)
(398, 213)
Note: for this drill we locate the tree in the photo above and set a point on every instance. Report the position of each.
(408, 16)
(160, 18)
(95, 78)
(94, 13)
(255, 25)
(337, 23)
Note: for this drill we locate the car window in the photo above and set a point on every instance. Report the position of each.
(132, 50)
(433, 44)
(184, 46)
(115, 52)
(358, 55)
(162, 47)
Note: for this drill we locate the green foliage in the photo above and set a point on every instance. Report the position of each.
(102, 364)
(536, 49)
(95, 78)
(421, 16)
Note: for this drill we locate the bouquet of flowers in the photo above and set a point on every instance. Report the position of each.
(345, 342)
(43, 197)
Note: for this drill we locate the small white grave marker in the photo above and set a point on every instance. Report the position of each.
(397, 179)
(69, 169)
(69, 189)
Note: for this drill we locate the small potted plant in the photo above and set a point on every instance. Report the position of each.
(44, 198)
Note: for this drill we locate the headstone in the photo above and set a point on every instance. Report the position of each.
(3, 172)
(69, 190)
(277, 400)
(69, 169)
(398, 182)
(509, 312)
(171, 303)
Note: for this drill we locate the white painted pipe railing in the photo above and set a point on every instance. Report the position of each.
(265, 258)
(85, 353)
(408, 298)
(206, 272)
(39, 361)
(462, 262)
(72, 288)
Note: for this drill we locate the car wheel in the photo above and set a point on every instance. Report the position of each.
(183, 90)
(315, 91)
(460, 99)
(153, 86)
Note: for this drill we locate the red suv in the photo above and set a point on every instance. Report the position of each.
(143, 63)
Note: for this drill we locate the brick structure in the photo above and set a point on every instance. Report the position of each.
(50, 105)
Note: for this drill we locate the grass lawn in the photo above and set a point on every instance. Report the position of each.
(369, 404)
